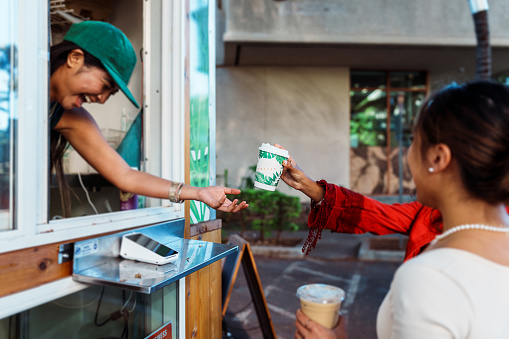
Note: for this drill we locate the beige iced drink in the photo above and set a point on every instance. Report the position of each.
(321, 303)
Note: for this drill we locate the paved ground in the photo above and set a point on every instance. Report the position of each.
(334, 262)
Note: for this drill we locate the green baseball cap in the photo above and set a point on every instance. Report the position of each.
(108, 44)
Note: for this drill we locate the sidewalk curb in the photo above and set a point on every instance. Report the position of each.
(367, 248)
(278, 252)
(367, 253)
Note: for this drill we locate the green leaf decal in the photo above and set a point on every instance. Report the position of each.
(261, 178)
(268, 155)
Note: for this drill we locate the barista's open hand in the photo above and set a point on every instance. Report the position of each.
(309, 329)
(215, 197)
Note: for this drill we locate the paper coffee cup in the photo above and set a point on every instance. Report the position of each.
(269, 166)
(321, 303)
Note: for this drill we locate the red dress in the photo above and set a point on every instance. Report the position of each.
(345, 211)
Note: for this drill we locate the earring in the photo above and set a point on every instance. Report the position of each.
(431, 170)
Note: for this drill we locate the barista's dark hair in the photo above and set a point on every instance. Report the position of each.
(58, 144)
(472, 119)
(59, 53)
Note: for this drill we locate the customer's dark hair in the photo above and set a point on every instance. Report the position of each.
(472, 119)
(58, 144)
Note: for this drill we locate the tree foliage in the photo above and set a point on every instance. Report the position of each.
(270, 211)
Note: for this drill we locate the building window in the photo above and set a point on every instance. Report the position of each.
(383, 105)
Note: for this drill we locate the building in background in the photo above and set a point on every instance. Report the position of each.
(338, 83)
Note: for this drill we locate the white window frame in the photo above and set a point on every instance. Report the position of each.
(164, 123)
(212, 97)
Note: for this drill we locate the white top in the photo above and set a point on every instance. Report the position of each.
(446, 293)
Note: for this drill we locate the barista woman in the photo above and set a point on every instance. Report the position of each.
(95, 61)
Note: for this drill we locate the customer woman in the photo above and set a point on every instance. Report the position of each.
(345, 211)
(459, 162)
(95, 61)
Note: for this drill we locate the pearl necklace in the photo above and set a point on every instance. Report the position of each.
(470, 227)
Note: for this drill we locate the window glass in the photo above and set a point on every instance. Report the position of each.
(374, 79)
(410, 80)
(8, 99)
(378, 152)
(368, 121)
(404, 107)
(120, 122)
(99, 312)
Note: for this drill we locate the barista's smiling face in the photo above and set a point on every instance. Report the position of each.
(75, 83)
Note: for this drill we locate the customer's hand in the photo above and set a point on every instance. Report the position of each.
(215, 197)
(292, 175)
(309, 329)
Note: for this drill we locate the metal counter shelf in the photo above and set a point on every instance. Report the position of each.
(97, 261)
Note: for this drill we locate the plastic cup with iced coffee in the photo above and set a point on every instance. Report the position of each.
(321, 303)
(269, 167)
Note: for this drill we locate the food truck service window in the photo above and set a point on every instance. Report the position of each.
(31, 208)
